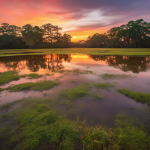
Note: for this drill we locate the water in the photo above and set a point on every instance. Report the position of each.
(99, 112)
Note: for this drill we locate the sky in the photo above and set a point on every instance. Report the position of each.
(79, 18)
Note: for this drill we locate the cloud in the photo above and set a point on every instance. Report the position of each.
(84, 16)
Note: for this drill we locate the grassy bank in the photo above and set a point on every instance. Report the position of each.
(9, 76)
(90, 51)
(6, 77)
(38, 86)
(138, 96)
(39, 127)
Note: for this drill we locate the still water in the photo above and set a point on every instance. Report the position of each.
(99, 112)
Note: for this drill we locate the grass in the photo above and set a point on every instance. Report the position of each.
(96, 96)
(38, 86)
(90, 51)
(34, 76)
(112, 76)
(138, 96)
(41, 128)
(50, 74)
(1, 89)
(76, 92)
(9, 76)
(105, 86)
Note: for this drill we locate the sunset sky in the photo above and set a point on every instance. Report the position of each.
(79, 18)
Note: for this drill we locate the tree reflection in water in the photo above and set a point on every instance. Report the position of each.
(35, 62)
(133, 64)
(55, 62)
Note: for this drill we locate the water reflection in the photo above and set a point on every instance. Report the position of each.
(55, 62)
(35, 62)
(134, 64)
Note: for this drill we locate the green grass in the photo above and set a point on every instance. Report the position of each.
(39, 127)
(38, 86)
(49, 74)
(33, 76)
(138, 96)
(116, 76)
(96, 95)
(6, 77)
(76, 92)
(90, 51)
(1, 89)
(9, 76)
(105, 86)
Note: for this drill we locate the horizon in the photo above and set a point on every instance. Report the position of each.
(80, 19)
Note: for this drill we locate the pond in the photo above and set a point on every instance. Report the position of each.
(101, 102)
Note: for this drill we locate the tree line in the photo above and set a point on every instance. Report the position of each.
(28, 36)
(135, 34)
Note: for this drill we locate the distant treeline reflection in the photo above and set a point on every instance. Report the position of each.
(133, 64)
(55, 62)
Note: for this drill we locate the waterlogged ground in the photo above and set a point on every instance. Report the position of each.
(98, 105)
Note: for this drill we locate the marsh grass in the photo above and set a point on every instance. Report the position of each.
(116, 76)
(9, 76)
(96, 95)
(1, 89)
(138, 96)
(105, 86)
(39, 127)
(38, 86)
(76, 92)
(49, 74)
(33, 76)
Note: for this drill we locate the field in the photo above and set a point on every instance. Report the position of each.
(90, 51)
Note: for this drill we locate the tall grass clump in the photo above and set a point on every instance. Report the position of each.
(9, 76)
(38, 86)
(138, 96)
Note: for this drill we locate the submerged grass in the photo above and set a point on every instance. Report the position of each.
(76, 92)
(138, 96)
(41, 128)
(114, 76)
(9, 76)
(38, 86)
(105, 86)
(96, 95)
